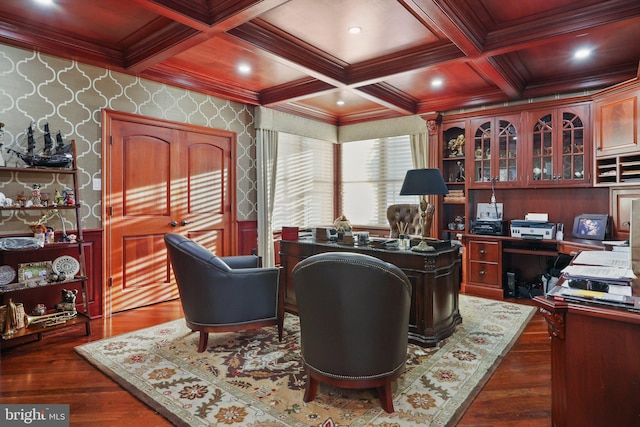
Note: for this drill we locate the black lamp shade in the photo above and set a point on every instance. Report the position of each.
(420, 182)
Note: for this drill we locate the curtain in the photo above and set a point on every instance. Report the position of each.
(420, 150)
(267, 154)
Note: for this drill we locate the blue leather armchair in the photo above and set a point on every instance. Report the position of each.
(223, 294)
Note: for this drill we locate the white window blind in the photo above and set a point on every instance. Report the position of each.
(304, 182)
(372, 175)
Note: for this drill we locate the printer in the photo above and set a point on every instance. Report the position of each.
(489, 220)
(534, 226)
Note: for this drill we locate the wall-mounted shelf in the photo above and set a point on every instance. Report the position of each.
(615, 170)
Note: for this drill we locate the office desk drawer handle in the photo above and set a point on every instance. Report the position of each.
(482, 251)
(482, 273)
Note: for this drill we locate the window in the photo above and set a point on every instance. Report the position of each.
(304, 182)
(372, 175)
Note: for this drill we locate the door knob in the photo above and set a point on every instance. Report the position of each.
(184, 222)
(173, 224)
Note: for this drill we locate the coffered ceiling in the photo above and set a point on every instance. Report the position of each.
(302, 59)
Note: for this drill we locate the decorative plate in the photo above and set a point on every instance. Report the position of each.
(7, 274)
(66, 264)
(19, 243)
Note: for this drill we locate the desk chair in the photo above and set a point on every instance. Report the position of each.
(407, 214)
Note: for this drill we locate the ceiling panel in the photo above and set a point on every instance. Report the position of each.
(380, 21)
(225, 55)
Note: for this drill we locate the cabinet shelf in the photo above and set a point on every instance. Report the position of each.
(36, 208)
(20, 286)
(618, 169)
(80, 319)
(40, 170)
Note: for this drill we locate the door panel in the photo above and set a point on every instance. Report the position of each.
(144, 167)
(143, 191)
(209, 190)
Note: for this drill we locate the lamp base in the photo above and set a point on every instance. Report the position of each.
(423, 246)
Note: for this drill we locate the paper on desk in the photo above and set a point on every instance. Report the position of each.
(596, 272)
(604, 258)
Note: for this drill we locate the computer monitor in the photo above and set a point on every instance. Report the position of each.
(591, 226)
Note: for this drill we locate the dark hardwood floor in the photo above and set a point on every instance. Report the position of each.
(49, 371)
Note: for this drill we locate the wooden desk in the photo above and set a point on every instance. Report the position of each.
(434, 276)
(487, 259)
(595, 368)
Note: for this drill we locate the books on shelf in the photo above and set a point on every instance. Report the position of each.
(455, 195)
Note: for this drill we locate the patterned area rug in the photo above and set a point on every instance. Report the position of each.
(251, 379)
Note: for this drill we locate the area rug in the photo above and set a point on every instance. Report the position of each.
(251, 379)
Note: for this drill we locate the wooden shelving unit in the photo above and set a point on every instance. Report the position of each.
(17, 289)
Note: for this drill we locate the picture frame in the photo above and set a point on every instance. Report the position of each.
(591, 226)
(34, 272)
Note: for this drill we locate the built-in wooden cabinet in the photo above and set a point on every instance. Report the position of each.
(494, 151)
(620, 209)
(559, 147)
(484, 266)
(617, 136)
(453, 169)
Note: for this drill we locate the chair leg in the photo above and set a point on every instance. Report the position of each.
(280, 327)
(311, 389)
(202, 344)
(386, 396)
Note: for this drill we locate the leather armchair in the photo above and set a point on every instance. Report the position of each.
(223, 294)
(354, 322)
(406, 213)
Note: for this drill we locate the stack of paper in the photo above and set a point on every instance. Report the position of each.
(605, 266)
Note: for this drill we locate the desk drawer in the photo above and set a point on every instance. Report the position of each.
(484, 251)
(483, 272)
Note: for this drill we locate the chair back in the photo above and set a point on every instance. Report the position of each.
(354, 315)
(407, 214)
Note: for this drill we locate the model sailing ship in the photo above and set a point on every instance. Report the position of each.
(59, 157)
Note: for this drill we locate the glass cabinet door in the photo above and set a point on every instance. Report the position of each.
(572, 147)
(543, 149)
(482, 153)
(507, 152)
(558, 141)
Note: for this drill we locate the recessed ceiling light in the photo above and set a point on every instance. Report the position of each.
(340, 103)
(582, 53)
(244, 69)
(45, 2)
(355, 30)
(437, 82)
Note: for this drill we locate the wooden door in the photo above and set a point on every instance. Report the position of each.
(160, 178)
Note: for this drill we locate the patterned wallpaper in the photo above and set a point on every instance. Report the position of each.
(70, 96)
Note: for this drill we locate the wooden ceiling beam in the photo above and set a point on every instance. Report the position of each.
(182, 78)
(389, 97)
(545, 29)
(192, 25)
(293, 91)
(291, 51)
(381, 68)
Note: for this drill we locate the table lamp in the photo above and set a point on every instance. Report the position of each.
(424, 182)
